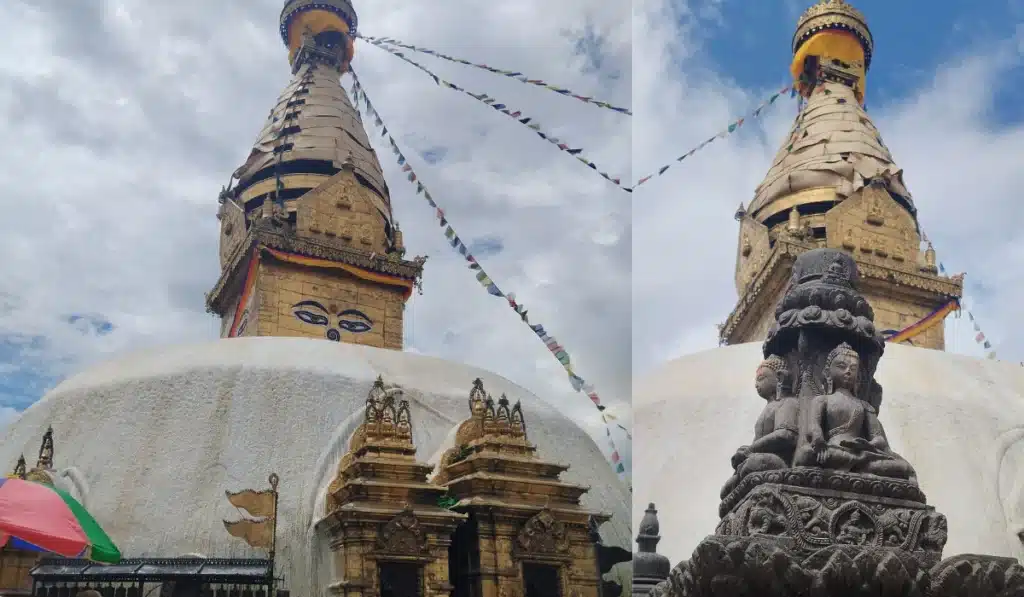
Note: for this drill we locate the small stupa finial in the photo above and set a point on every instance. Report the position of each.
(45, 461)
(20, 468)
(740, 212)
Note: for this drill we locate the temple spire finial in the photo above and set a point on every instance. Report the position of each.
(20, 468)
(649, 567)
(832, 42)
(45, 461)
(322, 32)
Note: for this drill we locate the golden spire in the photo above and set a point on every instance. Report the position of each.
(832, 43)
(834, 15)
(322, 27)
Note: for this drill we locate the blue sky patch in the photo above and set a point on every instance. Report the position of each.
(486, 246)
(25, 370)
(750, 43)
(91, 324)
(434, 154)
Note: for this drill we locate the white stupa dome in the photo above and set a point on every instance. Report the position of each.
(150, 442)
(958, 420)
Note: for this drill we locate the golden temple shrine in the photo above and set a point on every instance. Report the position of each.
(309, 246)
(835, 184)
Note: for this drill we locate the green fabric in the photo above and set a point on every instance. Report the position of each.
(101, 548)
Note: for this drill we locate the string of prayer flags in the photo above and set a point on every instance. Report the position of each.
(482, 277)
(979, 336)
(517, 115)
(721, 135)
(518, 76)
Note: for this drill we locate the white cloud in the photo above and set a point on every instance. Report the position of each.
(7, 416)
(963, 171)
(123, 120)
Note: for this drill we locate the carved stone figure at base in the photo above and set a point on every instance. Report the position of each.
(842, 432)
(777, 428)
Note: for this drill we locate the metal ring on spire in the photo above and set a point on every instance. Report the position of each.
(316, 16)
(834, 15)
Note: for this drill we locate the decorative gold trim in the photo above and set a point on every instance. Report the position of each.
(785, 251)
(263, 232)
(787, 202)
(834, 14)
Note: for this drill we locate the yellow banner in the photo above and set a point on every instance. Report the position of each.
(830, 44)
(258, 534)
(259, 504)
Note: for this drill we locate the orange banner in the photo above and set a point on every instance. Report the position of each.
(250, 281)
(929, 321)
(358, 272)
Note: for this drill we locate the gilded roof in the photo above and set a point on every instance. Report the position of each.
(321, 124)
(834, 14)
(832, 143)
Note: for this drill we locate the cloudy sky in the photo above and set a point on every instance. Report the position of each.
(946, 89)
(124, 119)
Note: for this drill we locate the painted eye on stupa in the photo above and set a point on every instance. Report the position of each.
(311, 312)
(354, 321)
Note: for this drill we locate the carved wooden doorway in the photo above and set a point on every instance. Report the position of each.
(541, 580)
(399, 579)
(464, 561)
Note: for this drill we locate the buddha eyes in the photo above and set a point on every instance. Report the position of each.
(355, 327)
(312, 318)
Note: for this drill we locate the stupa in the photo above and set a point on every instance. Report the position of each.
(811, 506)
(309, 382)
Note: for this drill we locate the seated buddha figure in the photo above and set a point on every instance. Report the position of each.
(841, 431)
(776, 430)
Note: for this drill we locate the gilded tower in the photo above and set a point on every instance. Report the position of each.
(308, 244)
(834, 184)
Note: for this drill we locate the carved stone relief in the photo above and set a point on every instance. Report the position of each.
(752, 251)
(872, 223)
(403, 535)
(543, 534)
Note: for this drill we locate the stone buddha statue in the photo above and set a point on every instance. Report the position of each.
(841, 431)
(777, 428)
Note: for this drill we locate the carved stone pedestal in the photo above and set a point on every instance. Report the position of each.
(809, 509)
(724, 566)
(819, 505)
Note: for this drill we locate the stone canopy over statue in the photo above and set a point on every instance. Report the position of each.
(820, 412)
(818, 502)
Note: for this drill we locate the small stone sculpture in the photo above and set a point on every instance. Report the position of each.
(842, 432)
(776, 430)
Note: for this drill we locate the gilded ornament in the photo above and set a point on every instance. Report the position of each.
(834, 14)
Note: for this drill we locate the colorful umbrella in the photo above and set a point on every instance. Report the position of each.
(44, 518)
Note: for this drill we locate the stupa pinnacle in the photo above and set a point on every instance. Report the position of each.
(835, 184)
(308, 244)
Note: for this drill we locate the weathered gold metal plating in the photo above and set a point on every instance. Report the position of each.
(834, 14)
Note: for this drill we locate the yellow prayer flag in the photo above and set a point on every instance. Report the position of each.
(259, 504)
(258, 534)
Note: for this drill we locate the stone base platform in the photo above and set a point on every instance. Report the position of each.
(723, 566)
(809, 509)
